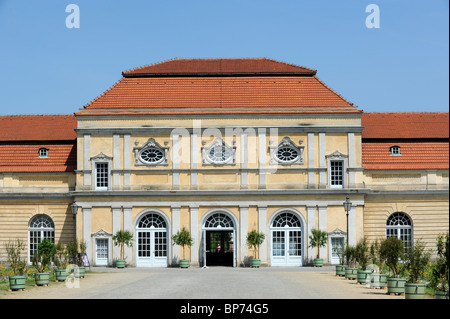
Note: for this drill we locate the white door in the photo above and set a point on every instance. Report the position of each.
(286, 247)
(101, 255)
(152, 248)
(337, 246)
(286, 243)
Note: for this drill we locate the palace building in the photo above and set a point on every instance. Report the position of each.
(222, 147)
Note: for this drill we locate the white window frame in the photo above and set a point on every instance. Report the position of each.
(218, 142)
(286, 142)
(43, 152)
(101, 159)
(395, 150)
(151, 144)
(337, 157)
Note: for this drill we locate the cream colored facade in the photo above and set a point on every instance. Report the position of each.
(221, 176)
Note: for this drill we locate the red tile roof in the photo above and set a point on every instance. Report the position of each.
(218, 66)
(38, 127)
(415, 155)
(262, 86)
(22, 136)
(25, 158)
(405, 125)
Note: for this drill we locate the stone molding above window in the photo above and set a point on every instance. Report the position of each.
(286, 152)
(218, 153)
(151, 153)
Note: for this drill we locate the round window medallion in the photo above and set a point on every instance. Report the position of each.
(152, 155)
(219, 154)
(287, 154)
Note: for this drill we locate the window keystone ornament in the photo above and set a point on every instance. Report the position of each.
(218, 153)
(286, 152)
(150, 154)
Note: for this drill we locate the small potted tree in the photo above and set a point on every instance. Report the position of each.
(41, 262)
(122, 238)
(378, 278)
(254, 240)
(362, 258)
(61, 262)
(417, 258)
(440, 272)
(75, 250)
(340, 269)
(18, 265)
(391, 252)
(317, 240)
(351, 271)
(183, 239)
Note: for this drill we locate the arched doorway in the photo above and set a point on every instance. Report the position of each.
(151, 241)
(219, 242)
(286, 240)
(40, 227)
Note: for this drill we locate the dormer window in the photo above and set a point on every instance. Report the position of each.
(43, 152)
(395, 150)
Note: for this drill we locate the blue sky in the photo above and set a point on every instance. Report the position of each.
(47, 68)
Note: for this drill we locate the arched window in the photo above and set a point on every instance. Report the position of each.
(40, 227)
(152, 221)
(286, 233)
(400, 225)
(219, 220)
(286, 219)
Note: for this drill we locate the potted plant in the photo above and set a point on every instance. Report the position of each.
(362, 258)
(183, 238)
(440, 271)
(351, 271)
(391, 252)
(122, 238)
(378, 278)
(254, 240)
(340, 269)
(41, 262)
(61, 262)
(317, 240)
(417, 258)
(75, 250)
(18, 265)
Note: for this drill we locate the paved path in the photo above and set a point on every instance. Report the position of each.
(210, 283)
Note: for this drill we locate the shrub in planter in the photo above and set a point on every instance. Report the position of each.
(391, 253)
(14, 250)
(75, 251)
(351, 271)
(183, 238)
(254, 240)
(60, 259)
(340, 269)
(317, 240)
(41, 262)
(440, 271)
(377, 278)
(362, 258)
(416, 260)
(122, 238)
